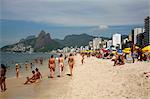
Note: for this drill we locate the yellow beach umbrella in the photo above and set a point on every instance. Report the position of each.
(146, 49)
(127, 50)
(90, 51)
(87, 51)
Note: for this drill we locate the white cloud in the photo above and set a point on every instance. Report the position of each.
(103, 27)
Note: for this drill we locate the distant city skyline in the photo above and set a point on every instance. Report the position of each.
(21, 18)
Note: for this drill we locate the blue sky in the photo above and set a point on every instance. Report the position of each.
(20, 18)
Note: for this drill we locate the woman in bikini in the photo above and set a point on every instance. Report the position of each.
(61, 64)
(51, 66)
(17, 70)
(71, 63)
(3, 77)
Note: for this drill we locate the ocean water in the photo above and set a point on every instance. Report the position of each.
(10, 59)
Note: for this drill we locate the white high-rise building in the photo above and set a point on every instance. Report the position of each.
(135, 32)
(116, 40)
(96, 43)
(109, 43)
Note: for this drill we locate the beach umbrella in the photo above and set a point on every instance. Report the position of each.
(91, 51)
(88, 51)
(146, 49)
(127, 50)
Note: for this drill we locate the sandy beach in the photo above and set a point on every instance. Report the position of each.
(95, 79)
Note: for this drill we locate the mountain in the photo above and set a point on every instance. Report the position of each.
(43, 42)
(75, 40)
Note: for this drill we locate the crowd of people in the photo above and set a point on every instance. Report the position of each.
(52, 64)
(36, 74)
(117, 57)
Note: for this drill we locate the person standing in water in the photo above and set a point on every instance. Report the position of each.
(71, 63)
(17, 70)
(26, 65)
(3, 77)
(61, 64)
(51, 66)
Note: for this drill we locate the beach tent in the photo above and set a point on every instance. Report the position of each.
(146, 49)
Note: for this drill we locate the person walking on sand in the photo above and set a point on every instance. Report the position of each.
(3, 77)
(51, 66)
(17, 70)
(71, 63)
(61, 64)
(82, 60)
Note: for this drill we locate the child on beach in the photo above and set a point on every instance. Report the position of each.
(71, 63)
(61, 64)
(51, 66)
(3, 77)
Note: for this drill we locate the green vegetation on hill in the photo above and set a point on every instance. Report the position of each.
(75, 40)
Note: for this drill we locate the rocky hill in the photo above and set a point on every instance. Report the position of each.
(43, 42)
(75, 40)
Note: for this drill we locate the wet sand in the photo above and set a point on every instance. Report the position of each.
(95, 79)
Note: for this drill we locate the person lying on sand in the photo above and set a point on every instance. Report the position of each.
(32, 79)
